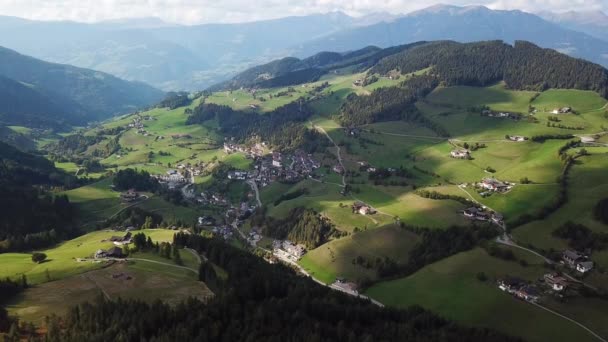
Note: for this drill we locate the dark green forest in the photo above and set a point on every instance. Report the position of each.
(257, 302)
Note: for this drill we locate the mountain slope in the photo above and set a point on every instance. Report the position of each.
(464, 24)
(65, 93)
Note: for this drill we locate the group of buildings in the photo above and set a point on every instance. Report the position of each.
(506, 115)
(493, 184)
(460, 154)
(563, 110)
(285, 249)
(362, 209)
(138, 124)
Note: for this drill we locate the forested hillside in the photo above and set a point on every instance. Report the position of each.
(32, 218)
(65, 93)
(257, 293)
(291, 71)
(523, 66)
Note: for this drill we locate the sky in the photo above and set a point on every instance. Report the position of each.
(191, 12)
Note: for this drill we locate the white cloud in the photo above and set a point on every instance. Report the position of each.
(205, 11)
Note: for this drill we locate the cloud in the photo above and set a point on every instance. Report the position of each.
(205, 11)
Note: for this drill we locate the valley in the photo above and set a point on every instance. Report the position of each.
(392, 176)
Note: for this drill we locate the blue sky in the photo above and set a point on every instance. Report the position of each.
(205, 11)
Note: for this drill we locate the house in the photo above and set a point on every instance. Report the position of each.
(129, 196)
(510, 284)
(497, 218)
(358, 83)
(276, 159)
(563, 110)
(475, 213)
(460, 154)
(237, 175)
(584, 266)
(517, 138)
(114, 252)
(206, 221)
(571, 257)
(529, 293)
(364, 210)
(338, 169)
(555, 281)
(493, 184)
(121, 240)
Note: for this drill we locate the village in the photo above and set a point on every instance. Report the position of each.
(555, 283)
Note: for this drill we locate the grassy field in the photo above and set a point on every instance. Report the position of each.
(588, 184)
(335, 259)
(61, 260)
(148, 282)
(450, 287)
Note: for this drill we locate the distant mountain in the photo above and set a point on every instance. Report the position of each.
(170, 57)
(463, 24)
(36, 93)
(594, 23)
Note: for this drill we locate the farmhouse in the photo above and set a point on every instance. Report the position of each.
(358, 83)
(529, 293)
(516, 138)
(121, 240)
(114, 252)
(460, 154)
(497, 218)
(563, 110)
(475, 213)
(584, 266)
(571, 257)
(129, 196)
(555, 281)
(362, 208)
(338, 169)
(510, 284)
(493, 184)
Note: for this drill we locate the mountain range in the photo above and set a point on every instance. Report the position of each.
(35, 93)
(178, 57)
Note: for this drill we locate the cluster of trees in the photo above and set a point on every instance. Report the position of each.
(32, 218)
(291, 195)
(544, 137)
(301, 225)
(439, 196)
(8, 289)
(522, 66)
(175, 100)
(134, 179)
(280, 127)
(436, 245)
(391, 103)
(600, 210)
(136, 217)
(581, 238)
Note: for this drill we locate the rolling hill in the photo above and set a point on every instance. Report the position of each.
(37, 93)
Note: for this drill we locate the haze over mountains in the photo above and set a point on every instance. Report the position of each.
(174, 57)
(35, 93)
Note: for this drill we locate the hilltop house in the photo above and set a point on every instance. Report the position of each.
(460, 154)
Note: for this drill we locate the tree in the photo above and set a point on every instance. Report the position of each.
(177, 258)
(38, 257)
